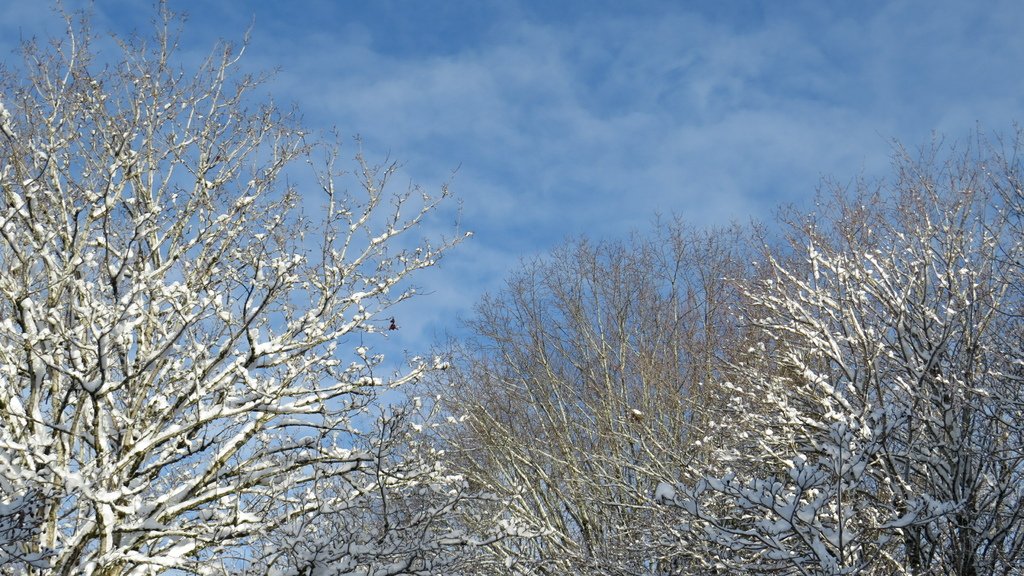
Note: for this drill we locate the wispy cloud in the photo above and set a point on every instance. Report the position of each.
(590, 117)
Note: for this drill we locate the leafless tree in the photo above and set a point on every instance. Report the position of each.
(891, 334)
(592, 375)
(183, 370)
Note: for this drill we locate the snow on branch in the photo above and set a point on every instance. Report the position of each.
(176, 386)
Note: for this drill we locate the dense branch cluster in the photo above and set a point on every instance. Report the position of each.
(851, 403)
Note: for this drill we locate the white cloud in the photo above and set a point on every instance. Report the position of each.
(591, 117)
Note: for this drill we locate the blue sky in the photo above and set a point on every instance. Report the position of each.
(591, 116)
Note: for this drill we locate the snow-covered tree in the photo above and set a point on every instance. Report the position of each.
(185, 322)
(890, 387)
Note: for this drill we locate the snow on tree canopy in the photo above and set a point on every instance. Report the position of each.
(172, 391)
